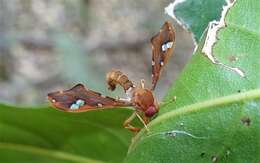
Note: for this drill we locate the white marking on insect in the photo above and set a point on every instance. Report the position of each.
(162, 63)
(153, 63)
(167, 45)
(80, 102)
(99, 105)
(53, 100)
(74, 107)
(164, 47)
(125, 99)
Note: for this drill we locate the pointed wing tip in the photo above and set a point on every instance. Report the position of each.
(79, 85)
(168, 23)
(50, 96)
(55, 105)
(52, 101)
(168, 26)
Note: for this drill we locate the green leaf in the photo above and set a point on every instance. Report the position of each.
(49, 135)
(196, 14)
(215, 116)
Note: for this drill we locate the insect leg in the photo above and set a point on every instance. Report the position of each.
(128, 126)
(143, 121)
(146, 120)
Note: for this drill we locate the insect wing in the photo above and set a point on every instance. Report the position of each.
(79, 99)
(162, 49)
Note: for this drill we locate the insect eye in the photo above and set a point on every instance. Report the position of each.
(150, 111)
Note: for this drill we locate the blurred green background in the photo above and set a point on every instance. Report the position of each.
(53, 44)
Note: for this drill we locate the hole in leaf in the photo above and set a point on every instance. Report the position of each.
(246, 121)
(227, 152)
(214, 158)
(232, 58)
(174, 98)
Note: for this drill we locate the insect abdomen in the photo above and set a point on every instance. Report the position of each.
(115, 77)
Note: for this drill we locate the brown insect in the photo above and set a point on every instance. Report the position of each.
(79, 98)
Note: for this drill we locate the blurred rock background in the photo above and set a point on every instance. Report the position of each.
(48, 45)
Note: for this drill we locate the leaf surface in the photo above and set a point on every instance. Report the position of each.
(196, 14)
(49, 135)
(215, 117)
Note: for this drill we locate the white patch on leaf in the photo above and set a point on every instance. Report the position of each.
(211, 38)
(175, 133)
(170, 11)
(213, 28)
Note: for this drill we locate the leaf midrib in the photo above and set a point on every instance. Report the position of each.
(208, 104)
